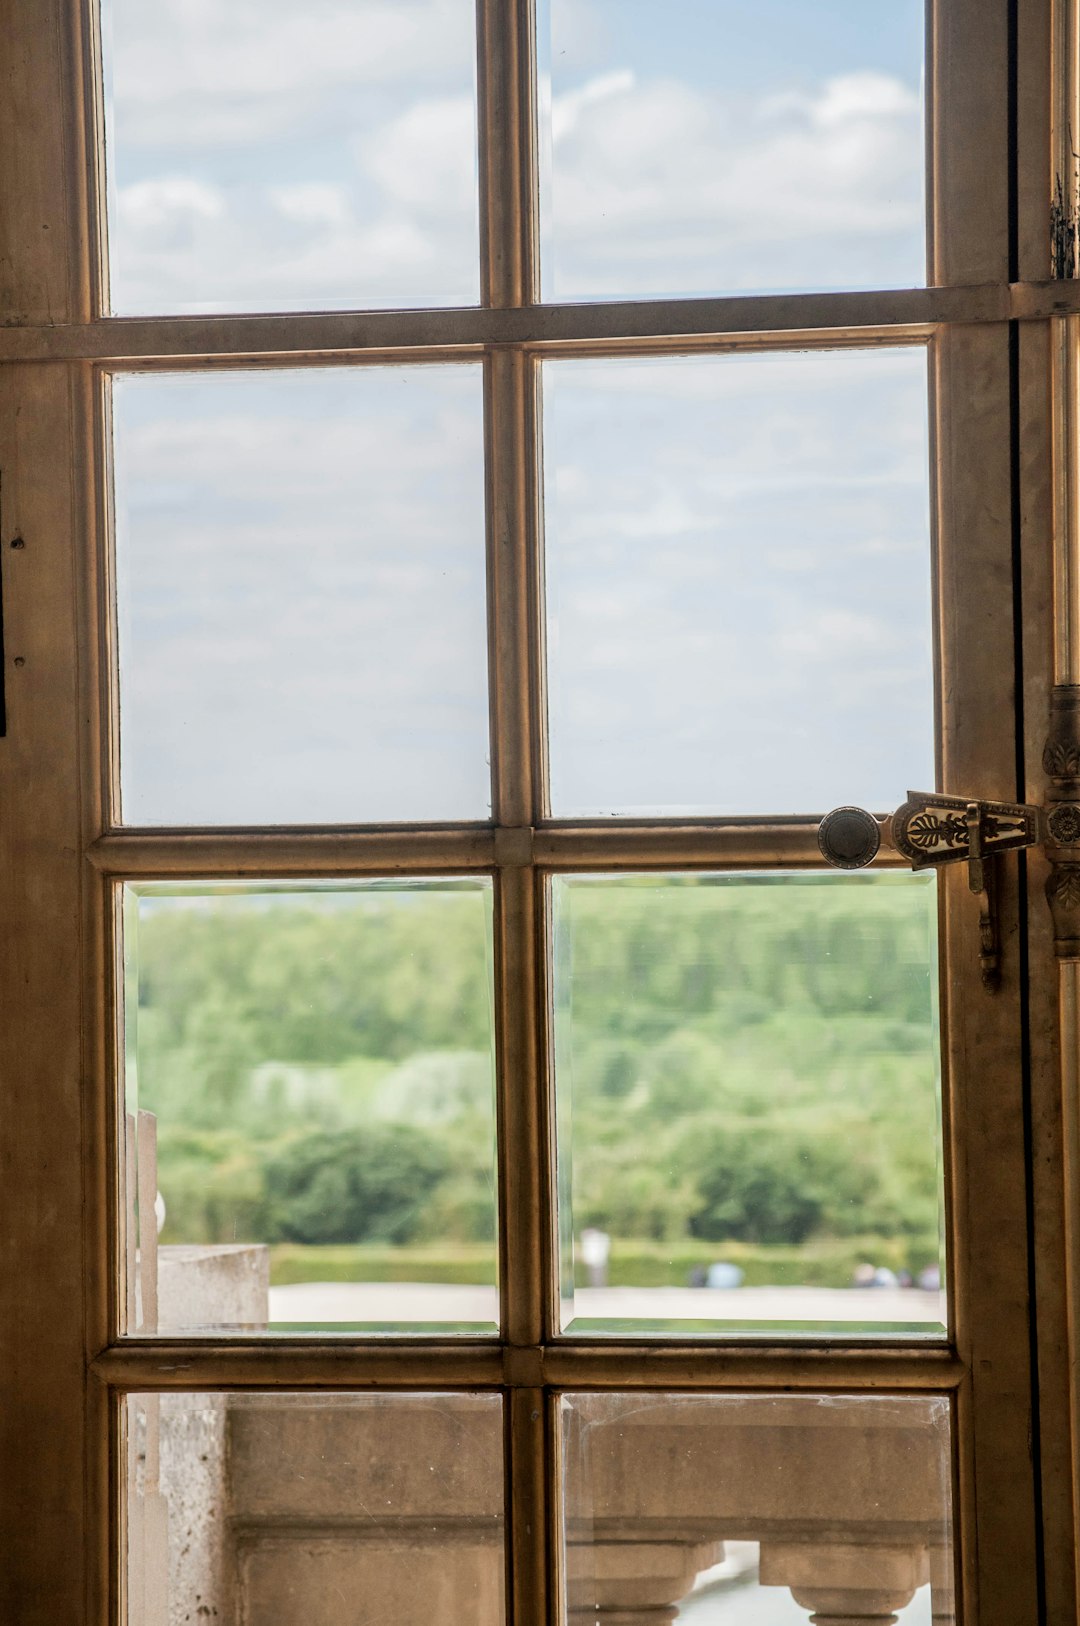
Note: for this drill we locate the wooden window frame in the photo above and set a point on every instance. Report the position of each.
(1004, 343)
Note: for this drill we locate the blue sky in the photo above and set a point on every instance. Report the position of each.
(738, 575)
(712, 146)
(300, 584)
(738, 582)
(261, 156)
(728, 45)
(738, 548)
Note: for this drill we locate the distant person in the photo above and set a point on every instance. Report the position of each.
(699, 1276)
(595, 1250)
(929, 1279)
(724, 1275)
(863, 1275)
(884, 1277)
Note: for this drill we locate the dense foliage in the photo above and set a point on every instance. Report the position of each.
(746, 1062)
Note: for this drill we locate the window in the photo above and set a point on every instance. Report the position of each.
(211, 450)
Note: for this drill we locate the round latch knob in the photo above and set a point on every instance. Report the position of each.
(849, 837)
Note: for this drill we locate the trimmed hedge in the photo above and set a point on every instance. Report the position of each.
(466, 1263)
(632, 1263)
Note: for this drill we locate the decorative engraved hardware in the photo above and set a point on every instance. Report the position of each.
(1061, 760)
(929, 830)
(1061, 755)
(849, 837)
(1063, 824)
(1063, 896)
(1064, 884)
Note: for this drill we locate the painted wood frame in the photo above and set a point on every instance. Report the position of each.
(1003, 342)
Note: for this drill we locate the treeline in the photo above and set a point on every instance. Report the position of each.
(746, 1062)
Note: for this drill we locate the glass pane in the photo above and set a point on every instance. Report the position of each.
(264, 156)
(301, 596)
(748, 1098)
(309, 1083)
(314, 1510)
(716, 146)
(754, 1510)
(738, 579)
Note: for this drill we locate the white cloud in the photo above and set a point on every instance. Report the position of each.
(301, 596)
(738, 567)
(399, 229)
(837, 635)
(425, 158)
(266, 157)
(656, 187)
(312, 203)
(147, 206)
(848, 96)
(194, 73)
(567, 109)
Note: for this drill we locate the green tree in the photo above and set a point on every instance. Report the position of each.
(357, 1185)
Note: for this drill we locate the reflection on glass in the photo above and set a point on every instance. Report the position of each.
(314, 1510)
(714, 146)
(746, 1071)
(738, 578)
(273, 157)
(309, 1085)
(301, 600)
(754, 1510)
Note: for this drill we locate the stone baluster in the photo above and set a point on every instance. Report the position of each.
(844, 1584)
(633, 1583)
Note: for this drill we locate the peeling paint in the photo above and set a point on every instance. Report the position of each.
(1065, 226)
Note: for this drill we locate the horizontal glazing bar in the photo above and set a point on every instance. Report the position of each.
(208, 1364)
(436, 332)
(167, 854)
(739, 844)
(434, 850)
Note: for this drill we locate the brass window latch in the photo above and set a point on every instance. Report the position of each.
(930, 829)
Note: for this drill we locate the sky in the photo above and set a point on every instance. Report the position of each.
(266, 156)
(737, 548)
(738, 589)
(300, 594)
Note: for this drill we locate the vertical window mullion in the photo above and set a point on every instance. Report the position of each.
(509, 269)
(509, 278)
